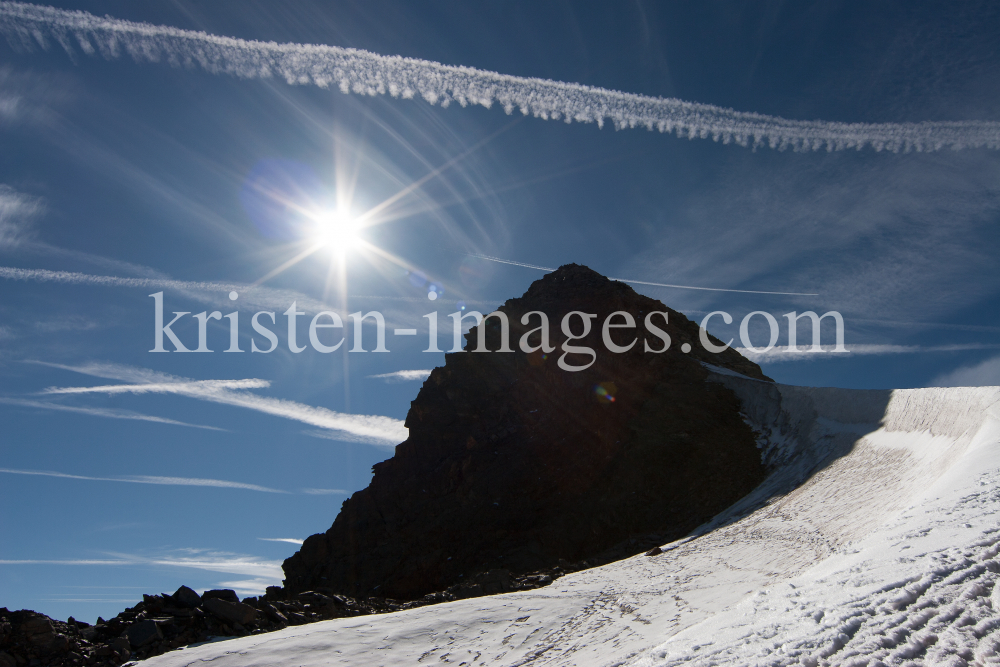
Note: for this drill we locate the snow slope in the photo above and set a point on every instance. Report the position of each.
(874, 540)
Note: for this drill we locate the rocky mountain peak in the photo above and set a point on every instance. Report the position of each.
(515, 464)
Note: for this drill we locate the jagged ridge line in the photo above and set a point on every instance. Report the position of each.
(363, 72)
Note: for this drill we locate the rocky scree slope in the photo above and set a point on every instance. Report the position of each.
(514, 465)
(161, 623)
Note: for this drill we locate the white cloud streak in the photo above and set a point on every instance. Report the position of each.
(148, 479)
(212, 561)
(806, 353)
(402, 376)
(325, 492)
(267, 572)
(30, 26)
(367, 429)
(184, 388)
(255, 586)
(339, 436)
(110, 413)
(66, 599)
(290, 540)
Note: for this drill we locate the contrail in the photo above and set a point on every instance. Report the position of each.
(44, 275)
(361, 72)
(148, 479)
(643, 282)
(112, 413)
(211, 561)
(402, 376)
(290, 540)
(805, 353)
(251, 296)
(71, 277)
(369, 429)
(512, 263)
(325, 492)
(162, 388)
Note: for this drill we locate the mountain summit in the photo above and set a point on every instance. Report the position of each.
(514, 463)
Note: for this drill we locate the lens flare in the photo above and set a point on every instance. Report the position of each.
(606, 391)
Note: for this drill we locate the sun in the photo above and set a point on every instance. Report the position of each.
(337, 230)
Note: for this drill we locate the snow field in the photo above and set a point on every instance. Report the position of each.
(873, 541)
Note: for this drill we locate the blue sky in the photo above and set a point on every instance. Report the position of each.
(121, 178)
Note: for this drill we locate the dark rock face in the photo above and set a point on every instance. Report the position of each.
(514, 465)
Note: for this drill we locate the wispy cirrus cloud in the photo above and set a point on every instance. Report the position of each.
(887, 240)
(402, 376)
(9, 106)
(26, 97)
(367, 429)
(365, 73)
(111, 413)
(148, 479)
(17, 214)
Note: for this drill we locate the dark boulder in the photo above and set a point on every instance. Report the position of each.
(142, 633)
(513, 464)
(221, 594)
(186, 598)
(233, 612)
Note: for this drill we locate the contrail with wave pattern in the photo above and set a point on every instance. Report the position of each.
(28, 26)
